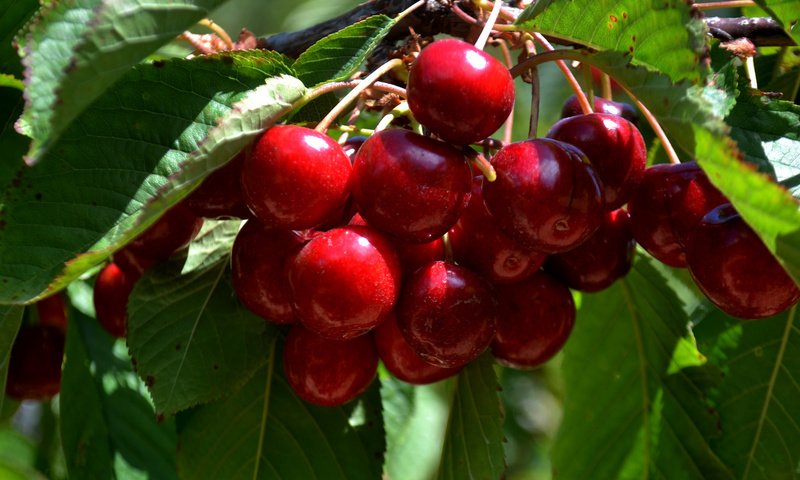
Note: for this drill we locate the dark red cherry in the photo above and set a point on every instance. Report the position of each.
(295, 178)
(480, 245)
(667, 205)
(34, 366)
(112, 289)
(345, 281)
(52, 311)
(328, 372)
(352, 145)
(447, 314)
(220, 194)
(603, 258)
(572, 107)
(409, 186)
(546, 196)
(535, 320)
(459, 92)
(734, 268)
(259, 262)
(401, 360)
(614, 147)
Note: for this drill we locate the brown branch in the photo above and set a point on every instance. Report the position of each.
(762, 31)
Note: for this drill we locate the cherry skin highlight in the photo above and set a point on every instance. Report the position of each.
(295, 178)
(328, 372)
(546, 197)
(34, 367)
(412, 187)
(459, 92)
(220, 194)
(345, 281)
(447, 314)
(572, 108)
(734, 268)
(112, 289)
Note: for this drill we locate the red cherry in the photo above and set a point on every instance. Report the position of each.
(53, 311)
(220, 194)
(572, 108)
(614, 147)
(734, 268)
(112, 289)
(535, 320)
(480, 245)
(459, 92)
(447, 314)
(352, 145)
(667, 205)
(599, 261)
(34, 366)
(409, 186)
(345, 281)
(546, 196)
(295, 178)
(259, 263)
(401, 360)
(328, 372)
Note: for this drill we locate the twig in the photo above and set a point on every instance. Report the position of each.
(586, 107)
(487, 29)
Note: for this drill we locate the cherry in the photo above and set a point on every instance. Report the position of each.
(480, 245)
(34, 366)
(546, 196)
(409, 186)
(352, 145)
(295, 177)
(328, 372)
(734, 268)
(572, 108)
(600, 260)
(53, 311)
(447, 314)
(258, 269)
(535, 320)
(667, 205)
(220, 194)
(614, 147)
(459, 92)
(345, 281)
(112, 289)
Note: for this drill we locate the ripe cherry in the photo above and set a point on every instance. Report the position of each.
(600, 260)
(220, 194)
(546, 196)
(572, 108)
(459, 92)
(112, 289)
(734, 268)
(53, 311)
(295, 177)
(535, 320)
(352, 145)
(259, 263)
(328, 372)
(447, 314)
(614, 147)
(480, 245)
(401, 360)
(34, 366)
(409, 186)
(345, 281)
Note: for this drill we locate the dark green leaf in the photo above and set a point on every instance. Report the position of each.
(14, 15)
(787, 13)
(14, 144)
(633, 403)
(10, 320)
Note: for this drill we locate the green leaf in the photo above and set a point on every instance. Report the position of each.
(264, 431)
(190, 338)
(73, 51)
(758, 395)
(98, 187)
(12, 18)
(633, 403)
(10, 320)
(785, 12)
(339, 55)
(657, 34)
(14, 144)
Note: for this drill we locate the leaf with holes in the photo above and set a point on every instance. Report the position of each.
(10, 320)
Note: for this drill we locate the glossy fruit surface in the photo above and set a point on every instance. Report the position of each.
(352, 145)
(447, 314)
(546, 197)
(667, 205)
(412, 187)
(34, 368)
(328, 372)
(535, 320)
(572, 107)
(734, 268)
(599, 261)
(220, 194)
(295, 177)
(401, 360)
(53, 311)
(459, 92)
(259, 261)
(480, 245)
(345, 281)
(614, 147)
(112, 289)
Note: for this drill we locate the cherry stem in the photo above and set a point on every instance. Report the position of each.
(448, 249)
(605, 86)
(479, 161)
(587, 83)
(221, 33)
(351, 120)
(508, 127)
(750, 68)
(662, 136)
(724, 4)
(535, 96)
(409, 10)
(586, 107)
(480, 44)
